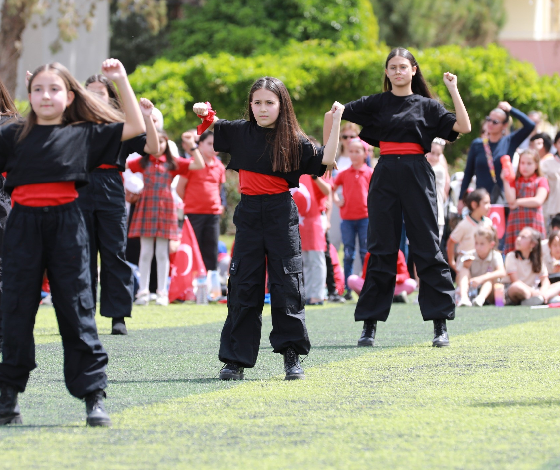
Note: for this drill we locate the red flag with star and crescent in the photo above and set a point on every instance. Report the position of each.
(186, 266)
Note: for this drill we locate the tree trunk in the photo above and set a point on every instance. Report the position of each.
(14, 20)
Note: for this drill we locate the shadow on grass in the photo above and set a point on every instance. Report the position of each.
(39, 426)
(512, 403)
(200, 380)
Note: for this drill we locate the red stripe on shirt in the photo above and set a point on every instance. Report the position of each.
(400, 148)
(256, 184)
(45, 194)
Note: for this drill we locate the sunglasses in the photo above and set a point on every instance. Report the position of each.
(493, 121)
(349, 137)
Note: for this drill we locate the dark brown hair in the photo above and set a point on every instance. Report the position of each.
(536, 253)
(419, 85)
(84, 108)
(553, 235)
(536, 159)
(114, 98)
(170, 161)
(7, 105)
(476, 196)
(286, 136)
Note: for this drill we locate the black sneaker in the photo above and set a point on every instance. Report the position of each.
(232, 371)
(95, 409)
(292, 365)
(336, 298)
(9, 408)
(441, 338)
(119, 327)
(348, 295)
(368, 333)
(402, 298)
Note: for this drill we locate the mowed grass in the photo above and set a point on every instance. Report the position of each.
(491, 400)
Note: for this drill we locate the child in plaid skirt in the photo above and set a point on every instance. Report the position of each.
(525, 198)
(154, 219)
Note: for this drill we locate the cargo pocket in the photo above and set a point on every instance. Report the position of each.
(86, 300)
(294, 293)
(231, 292)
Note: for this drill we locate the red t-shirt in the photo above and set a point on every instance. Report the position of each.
(355, 187)
(202, 193)
(321, 198)
(45, 194)
(310, 224)
(402, 269)
(256, 184)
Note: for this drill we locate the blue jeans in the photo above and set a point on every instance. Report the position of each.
(349, 229)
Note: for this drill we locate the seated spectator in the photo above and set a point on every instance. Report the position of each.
(480, 269)
(528, 276)
(403, 287)
(461, 239)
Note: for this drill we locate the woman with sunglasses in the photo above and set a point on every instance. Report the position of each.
(484, 156)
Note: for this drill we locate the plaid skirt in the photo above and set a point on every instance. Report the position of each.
(522, 217)
(155, 214)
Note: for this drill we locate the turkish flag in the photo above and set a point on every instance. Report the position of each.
(498, 216)
(186, 266)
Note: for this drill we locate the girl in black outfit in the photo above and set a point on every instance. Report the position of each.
(270, 152)
(103, 207)
(403, 121)
(8, 113)
(68, 132)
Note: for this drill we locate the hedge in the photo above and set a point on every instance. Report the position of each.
(317, 73)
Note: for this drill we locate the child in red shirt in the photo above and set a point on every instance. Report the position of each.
(353, 207)
(200, 191)
(403, 288)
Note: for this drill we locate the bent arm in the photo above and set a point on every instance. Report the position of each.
(535, 201)
(463, 124)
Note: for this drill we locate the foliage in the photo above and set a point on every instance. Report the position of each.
(432, 23)
(317, 73)
(247, 27)
(132, 41)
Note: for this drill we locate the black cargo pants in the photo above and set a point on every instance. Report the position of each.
(267, 237)
(103, 206)
(52, 238)
(404, 185)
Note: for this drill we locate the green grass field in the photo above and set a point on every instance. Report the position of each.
(491, 400)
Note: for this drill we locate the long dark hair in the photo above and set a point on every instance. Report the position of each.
(84, 108)
(114, 98)
(536, 253)
(287, 134)
(7, 105)
(170, 162)
(419, 85)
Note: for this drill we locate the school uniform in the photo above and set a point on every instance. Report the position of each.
(403, 184)
(103, 206)
(523, 269)
(522, 217)
(155, 215)
(46, 230)
(203, 207)
(463, 234)
(267, 237)
(354, 213)
(313, 239)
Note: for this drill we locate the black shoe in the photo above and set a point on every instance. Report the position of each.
(440, 334)
(95, 409)
(348, 295)
(292, 366)
(9, 408)
(402, 298)
(336, 298)
(232, 371)
(368, 333)
(119, 327)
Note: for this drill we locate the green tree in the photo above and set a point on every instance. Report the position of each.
(247, 27)
(433, 23)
